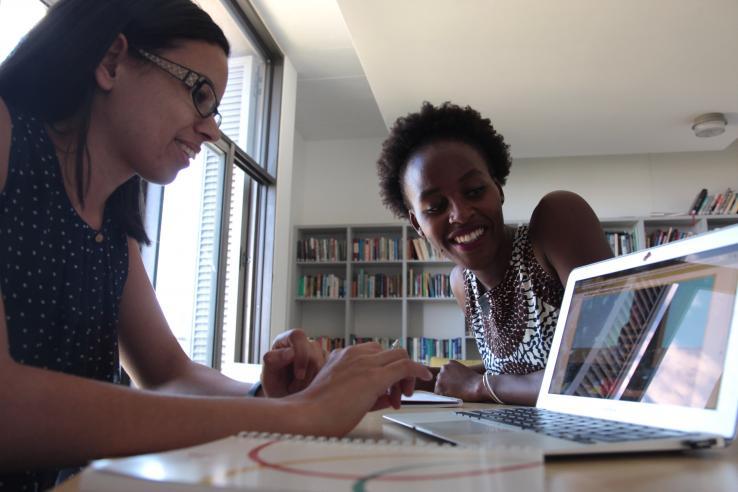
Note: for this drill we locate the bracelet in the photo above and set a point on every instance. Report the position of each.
(488, 387)
(254, 389)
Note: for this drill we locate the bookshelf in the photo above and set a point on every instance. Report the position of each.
(375, 282)
(636, 233)
(383, 283)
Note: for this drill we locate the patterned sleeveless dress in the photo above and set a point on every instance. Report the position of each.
(514, 322)
(61, 280)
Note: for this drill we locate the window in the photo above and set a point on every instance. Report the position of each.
(211, 228)
(17, 17)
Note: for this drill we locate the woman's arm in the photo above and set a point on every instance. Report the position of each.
(53, 419)
(154, 359)
(50, 419)
(466, 383)
(149, 351)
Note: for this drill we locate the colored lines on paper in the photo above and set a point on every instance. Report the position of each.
(433, 463)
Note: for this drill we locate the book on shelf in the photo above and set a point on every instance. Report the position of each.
(422, 349)
(426, 284)
(706, 205)
(330, 343)
(420, 249)
(385, 342)
(724, 203)
(663, 236)
(320, 286)
(321, 249)
(376, 285)
(376, 249)
(730, 204)
(274, 462)
(621, 242)
(697, 204)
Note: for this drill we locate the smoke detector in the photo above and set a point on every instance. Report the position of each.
(709, 125)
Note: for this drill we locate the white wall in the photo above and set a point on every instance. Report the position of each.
(335, 183)
(298, 175)
(339, 183)
(617, 186)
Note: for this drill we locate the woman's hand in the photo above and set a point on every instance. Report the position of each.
(429, 385)
(456, 379)
(291, 365)
(354, 381)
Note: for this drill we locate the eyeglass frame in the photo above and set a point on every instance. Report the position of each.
(193, 80)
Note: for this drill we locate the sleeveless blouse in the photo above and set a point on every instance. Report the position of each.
(513, 323)
(61, 280)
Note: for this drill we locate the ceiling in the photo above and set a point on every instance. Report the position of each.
(334, 100)
(557, 78)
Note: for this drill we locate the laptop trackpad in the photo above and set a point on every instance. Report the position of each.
(472, 432)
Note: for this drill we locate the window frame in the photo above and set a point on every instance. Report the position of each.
(258, 219)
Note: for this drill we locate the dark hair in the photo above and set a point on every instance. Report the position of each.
(51, 71)
(432, 124)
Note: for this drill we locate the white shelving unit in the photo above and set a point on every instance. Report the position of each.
(646, 230)
(395, 314)
(401, 314)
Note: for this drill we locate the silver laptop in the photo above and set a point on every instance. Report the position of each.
(637, 362)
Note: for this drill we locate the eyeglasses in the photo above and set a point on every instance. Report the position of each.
(201, 88)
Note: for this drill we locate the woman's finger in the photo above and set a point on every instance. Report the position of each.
(303, 350)
(395, 395)
(278, 358)
(398, 370)
(408, 386)
(382, 402)
(385, 357)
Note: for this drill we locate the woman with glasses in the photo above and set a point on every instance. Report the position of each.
(99, 96)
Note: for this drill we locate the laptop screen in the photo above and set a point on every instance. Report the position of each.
(655, 333)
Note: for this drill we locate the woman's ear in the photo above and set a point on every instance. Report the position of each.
(414, 223)
(107, 70)
(502, 193)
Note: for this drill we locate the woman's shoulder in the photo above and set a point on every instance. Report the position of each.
(457, 284)
(457, 274)
(556, 210)
(556, 203)
(5, 130)
(565, 233)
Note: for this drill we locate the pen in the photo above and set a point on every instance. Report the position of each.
(395, 344)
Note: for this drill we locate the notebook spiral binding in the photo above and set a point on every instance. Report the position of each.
(341, 440)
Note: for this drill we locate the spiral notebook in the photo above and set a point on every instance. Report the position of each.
(272, 462)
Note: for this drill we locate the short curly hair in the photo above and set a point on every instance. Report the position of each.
(432, 124)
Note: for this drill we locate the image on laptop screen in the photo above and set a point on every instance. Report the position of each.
(652, 334)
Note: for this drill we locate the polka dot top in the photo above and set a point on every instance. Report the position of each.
(61, 280)
(514, 322)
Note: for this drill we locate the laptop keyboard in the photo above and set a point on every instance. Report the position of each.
(585, 430)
